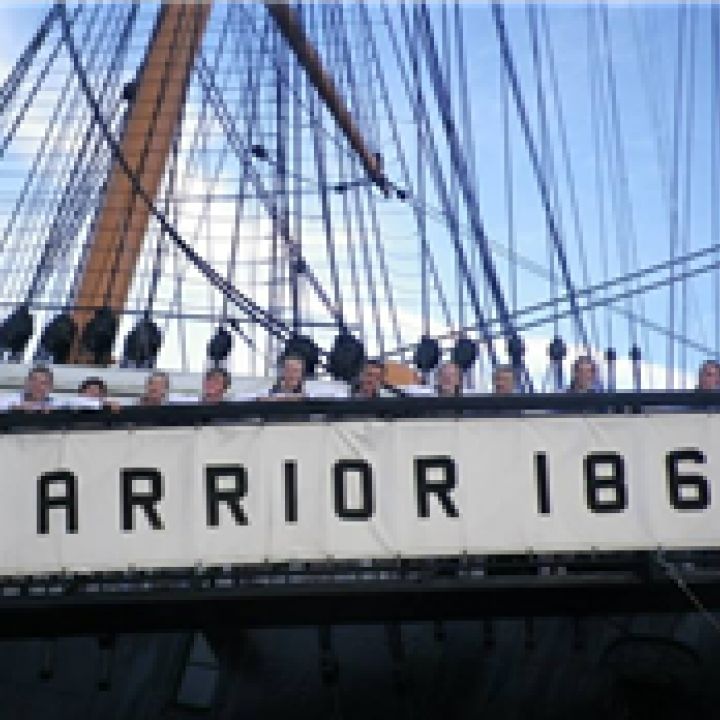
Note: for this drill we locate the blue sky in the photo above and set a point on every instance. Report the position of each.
(18, 22)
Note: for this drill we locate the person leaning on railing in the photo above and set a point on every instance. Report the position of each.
(36, 393)
(584, 376)
(95, 388)
(215, 384)
(157, 389)
(448, 381)
(504, 380)
(290, 384)
(709, 376)
(369, 382)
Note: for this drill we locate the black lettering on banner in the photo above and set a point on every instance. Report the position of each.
(341, 470)
(132, 497)
(605, 487)
(543, 484)
(291, 491)
(426, 486)
(215, 495)
(688, 491)
(66, 500)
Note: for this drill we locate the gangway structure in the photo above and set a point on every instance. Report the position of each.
(370, 541)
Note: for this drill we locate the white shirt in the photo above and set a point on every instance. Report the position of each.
(53, 402)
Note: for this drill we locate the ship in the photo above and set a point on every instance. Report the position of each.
(201, 185)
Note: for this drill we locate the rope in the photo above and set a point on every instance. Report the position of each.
(78, 196)
(686, 228)
(295, 270)
(674, 181)
(227, 123)
(509, 194)
(596, 103)
(249, 308)
(164, 84)
(420, 190)
(635, 289)
(374, 224)
(546, 163)
(447, 205)
(498, 15)
(24, 62)
(346, 67)
(245, 304)
(320, 164)
(466, 126)
(626, 236)
(460, 167)
(50, 182)
(567, 163)
(32, 94)
(419, 210)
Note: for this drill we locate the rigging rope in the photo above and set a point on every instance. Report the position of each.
(686, 228)
(626, 225)
(374, 224)
(47, 176)
(509, 193)
(444, 197)
(596, 102)
(120, 250)
(419, 210)
(420, 190)
(78, 198)
(466, 134)
(461, 168)
(567, 163)
(225, 118)
(19, 71)
(674, 191)
(547, 166)
(498, 15)
(245, 304)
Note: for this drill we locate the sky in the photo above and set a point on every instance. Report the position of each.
(647, 82)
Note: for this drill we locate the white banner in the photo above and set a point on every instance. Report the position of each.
(253, 493)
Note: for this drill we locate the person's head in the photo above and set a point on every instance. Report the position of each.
(93, 387)
(371, 378)
(292, 372)
(503, 380)
(709, 375)
(38, 384)
(449, 379)
(157, 387)
(215, 384)
(584, 374)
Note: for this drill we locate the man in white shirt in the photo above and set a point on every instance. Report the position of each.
(709, 376)
(216, 383)
(157, 389)
(503, 380)
(370, 382)
(449, 380)
(290, 384)
(35, 396)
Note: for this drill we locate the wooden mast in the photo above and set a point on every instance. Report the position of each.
(152, 120)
